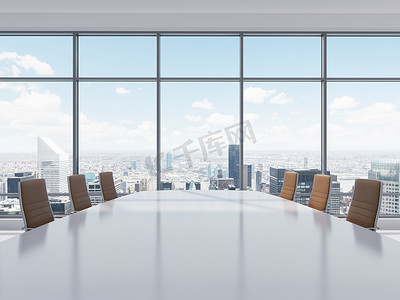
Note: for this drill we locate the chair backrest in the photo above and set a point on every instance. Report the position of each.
(34, 202)
(107, 186)
(289, 185)
(320, 192)
(366, 203)
(78, 192)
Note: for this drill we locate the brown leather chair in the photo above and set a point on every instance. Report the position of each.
(320, 192)
(366, 203)
(107, 186)
(289, 185)
(78, 192)
(34, 202)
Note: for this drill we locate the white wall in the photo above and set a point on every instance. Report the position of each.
(206, 15)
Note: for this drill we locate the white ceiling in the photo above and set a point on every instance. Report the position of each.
(203, 15)
(203, 6)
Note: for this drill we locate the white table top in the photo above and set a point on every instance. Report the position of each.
(200, 245)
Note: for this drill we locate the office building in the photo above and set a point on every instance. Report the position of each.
(53, 167)
(333, 206)
(258, 180)
(388, 173)
(276, 177)
(13, 182)
(213, 183)
(192, 186)
(169, 161)
(234, 164)
(133, 165)
(94, 190)
(89, 177)
(220, 175)
(167, 185)
(226, 184)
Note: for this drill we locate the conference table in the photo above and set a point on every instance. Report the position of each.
(200, 245)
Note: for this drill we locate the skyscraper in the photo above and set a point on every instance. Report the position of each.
(258, 180)
(250, 171)
(388, 173)
(169, 161)
(13, 182)
(234, 164)
(333, 206)
(276, 176)
(52, 165)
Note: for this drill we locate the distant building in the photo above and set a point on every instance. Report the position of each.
(169, 161)
(89, 177)
(193, 186)
(213, 183)
(276, 176)
(388, 173)
(258, 180)
(53, 167)
(208, 172)
(95, 190)
(167, 185)
(3, 190)
(226, 183)
(133, 165)
(250, 171)
(234, 164)
(13, 182)
(304, 184)
(334, 201)
(220, 175)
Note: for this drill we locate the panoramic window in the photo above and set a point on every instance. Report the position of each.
(199, 123)
(282, 56)
(118, 134)
(115, 56)
(35, 140)
(363, 122)
(200, 57)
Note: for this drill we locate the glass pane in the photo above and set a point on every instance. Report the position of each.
(35, 140)
(118, 134)
(35, 56)
(363, 128)
(282, 56)
(200, 56)
(117, 56)
(200, 121)
(285, 119)
(363, 57)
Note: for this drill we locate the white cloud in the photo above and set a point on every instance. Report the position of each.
(176, 133)
(257, 95)
(251, 117)
(205, 104)
(36, 111)
(275, 117)
(122, 91)
(193, 119)
(219, 120)
(281, 98)
(124, 121)
(343, 104)
(27, 62)
(295, 113)
(375, 114)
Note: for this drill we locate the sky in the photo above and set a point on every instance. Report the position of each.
(121, 117)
